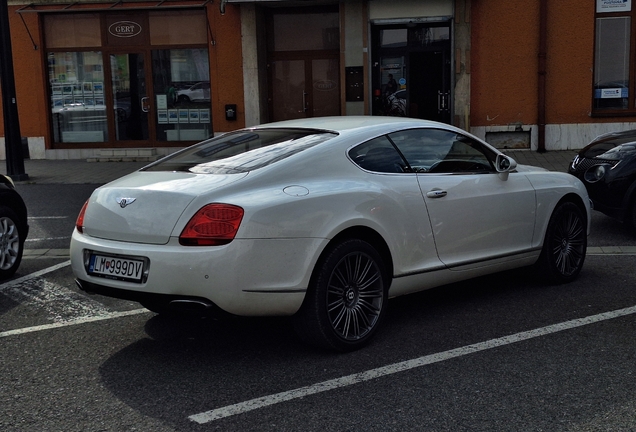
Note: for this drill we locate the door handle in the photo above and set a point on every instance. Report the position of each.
(304, 101)
(442, 101)
(438, 193)
(144, 104)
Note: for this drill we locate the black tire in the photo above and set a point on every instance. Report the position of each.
(12, 236)
(631, 219)
(564, 245)
(347, 298)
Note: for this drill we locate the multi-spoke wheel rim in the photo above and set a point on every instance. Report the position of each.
(568, 243)
(355, 296)
(9, 243)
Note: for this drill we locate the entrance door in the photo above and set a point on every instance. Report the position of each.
(304, 88)
(411, 71)
(131, 102)
(303, 62)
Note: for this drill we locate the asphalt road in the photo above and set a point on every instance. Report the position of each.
(503, 352)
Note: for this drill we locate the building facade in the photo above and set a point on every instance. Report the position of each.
(142, 78)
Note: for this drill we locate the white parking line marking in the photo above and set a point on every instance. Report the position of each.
(34, 275)
(65, 307)
(349, 380)
(47, 217)
(47, 238)
(58, 302)
(83, 320)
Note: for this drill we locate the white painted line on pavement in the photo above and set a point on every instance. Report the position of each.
(64, 306)
(349, 380)
(74, 322)
(34, 275)
(47, 217)
(47, 238)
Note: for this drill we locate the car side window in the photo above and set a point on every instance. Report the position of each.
(379, 155)
(442, 151)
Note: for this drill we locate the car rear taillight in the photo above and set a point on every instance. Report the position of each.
(79, 223)
(212, 225)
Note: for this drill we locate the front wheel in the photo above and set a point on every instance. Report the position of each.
(346, 299)
(565, 244)
(11, 243)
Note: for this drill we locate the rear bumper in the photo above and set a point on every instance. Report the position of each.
(265, 277)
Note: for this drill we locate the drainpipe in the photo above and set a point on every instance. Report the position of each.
(543, 43)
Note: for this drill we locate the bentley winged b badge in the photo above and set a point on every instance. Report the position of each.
(123, 202)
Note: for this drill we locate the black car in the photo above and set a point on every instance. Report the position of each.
(607, 167)
(13, 228)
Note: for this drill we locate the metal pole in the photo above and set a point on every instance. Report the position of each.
(12, 136)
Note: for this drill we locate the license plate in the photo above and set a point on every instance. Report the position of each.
(121, 268)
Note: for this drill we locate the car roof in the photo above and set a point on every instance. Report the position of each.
(620, 137)
(346, 123)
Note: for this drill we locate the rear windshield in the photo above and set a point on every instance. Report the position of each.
(242, 151)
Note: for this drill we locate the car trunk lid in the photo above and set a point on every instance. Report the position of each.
(144, 207)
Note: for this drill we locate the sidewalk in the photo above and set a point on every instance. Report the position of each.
(79, 171)
(74, 171)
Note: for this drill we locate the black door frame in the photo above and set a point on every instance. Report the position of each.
(414, 52)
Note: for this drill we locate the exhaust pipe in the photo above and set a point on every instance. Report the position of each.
(81, 287)
(190, 306)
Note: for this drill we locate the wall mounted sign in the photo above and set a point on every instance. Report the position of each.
(124, 29)
(613, 5)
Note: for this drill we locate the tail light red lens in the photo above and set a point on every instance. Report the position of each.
(212, 225)
(79, 223)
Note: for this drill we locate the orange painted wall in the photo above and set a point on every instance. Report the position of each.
(226, 71)
(504, 62)
(226, 66)
(29, 83)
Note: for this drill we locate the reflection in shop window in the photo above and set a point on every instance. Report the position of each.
(182, 90)
(78, 109)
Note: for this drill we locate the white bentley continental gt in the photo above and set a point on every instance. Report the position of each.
(323, 220)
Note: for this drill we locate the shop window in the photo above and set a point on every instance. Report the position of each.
(613, 85)
(181, 80)
(77, 97)
(611, 63)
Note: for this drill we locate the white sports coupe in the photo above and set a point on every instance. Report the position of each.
(324, 219)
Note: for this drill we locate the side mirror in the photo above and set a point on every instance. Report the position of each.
(504, 165)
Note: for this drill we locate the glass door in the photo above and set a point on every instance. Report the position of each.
(131, 103)
(411, 73)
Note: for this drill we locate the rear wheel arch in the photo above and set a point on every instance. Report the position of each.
(13, 201)
(370, 236)
(344, 306)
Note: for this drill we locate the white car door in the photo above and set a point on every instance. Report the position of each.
(475, 213)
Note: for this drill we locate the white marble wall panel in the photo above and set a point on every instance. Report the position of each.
(560, 136)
